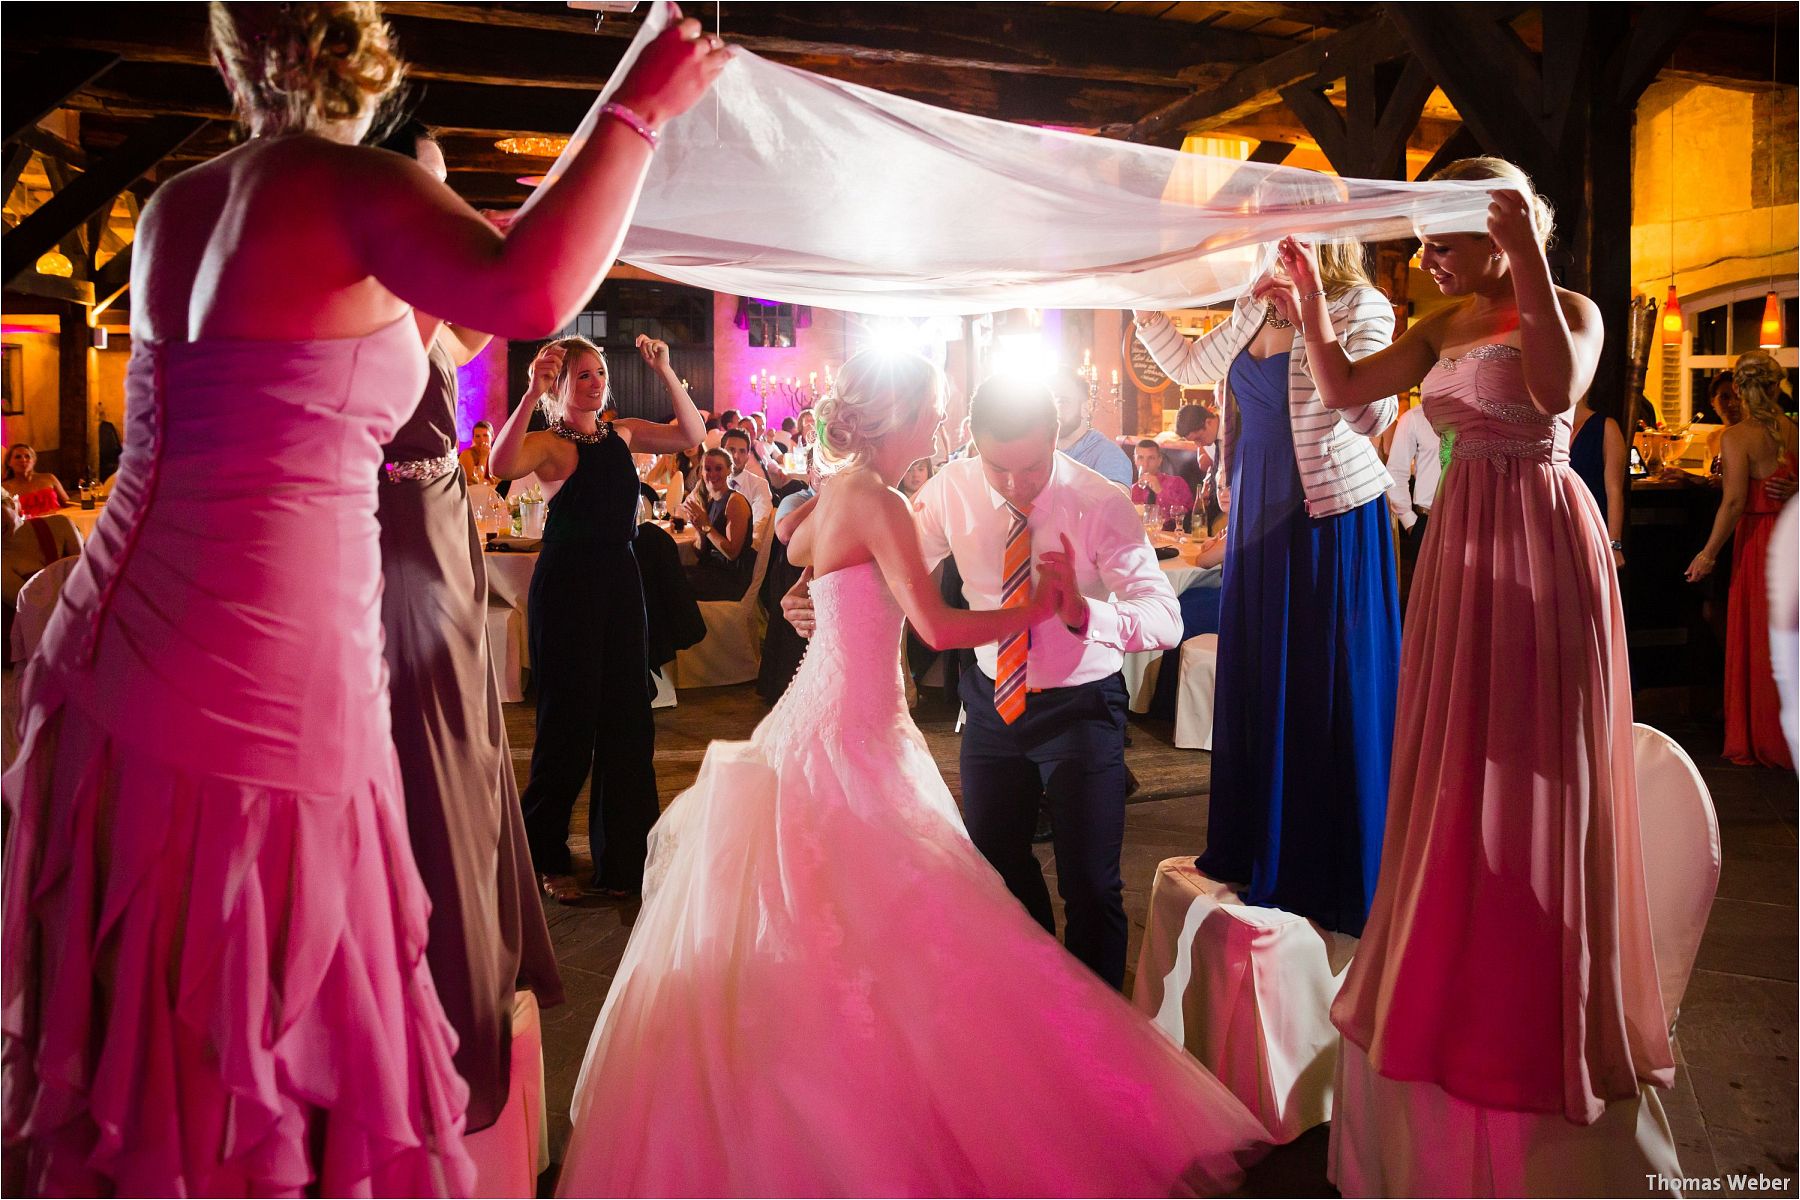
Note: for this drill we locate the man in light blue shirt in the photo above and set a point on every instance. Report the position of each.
(1077, 436)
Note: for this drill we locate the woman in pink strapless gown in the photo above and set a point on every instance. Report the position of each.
(1507, 959)
(214, 931)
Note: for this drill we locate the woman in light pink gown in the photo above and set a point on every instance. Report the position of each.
(1508, 957)
(829, 991)
(214, 975)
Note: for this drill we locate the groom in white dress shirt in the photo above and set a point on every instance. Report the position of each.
(1067, 745)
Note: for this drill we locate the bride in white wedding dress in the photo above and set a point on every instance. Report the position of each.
(829, 992)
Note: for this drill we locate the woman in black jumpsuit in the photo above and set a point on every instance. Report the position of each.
(586, 615)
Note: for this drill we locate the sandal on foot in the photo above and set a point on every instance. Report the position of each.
(564, 889)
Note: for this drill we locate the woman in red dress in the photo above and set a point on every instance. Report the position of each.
(1757, 448)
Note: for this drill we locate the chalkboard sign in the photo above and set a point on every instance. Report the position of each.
(1148, 377)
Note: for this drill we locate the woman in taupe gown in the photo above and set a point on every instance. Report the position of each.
(487, 931)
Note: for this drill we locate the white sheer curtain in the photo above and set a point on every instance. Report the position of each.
(786, 185)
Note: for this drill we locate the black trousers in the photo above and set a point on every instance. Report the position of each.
(1411, 541)
(590, 659)
(1068, 750)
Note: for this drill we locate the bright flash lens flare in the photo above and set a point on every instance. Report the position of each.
(893, 336)
(1023, 356)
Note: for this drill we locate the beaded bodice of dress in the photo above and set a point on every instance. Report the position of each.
(848, 689)
(1481, 396)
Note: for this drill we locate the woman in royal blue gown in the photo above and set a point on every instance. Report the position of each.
(1309, 619)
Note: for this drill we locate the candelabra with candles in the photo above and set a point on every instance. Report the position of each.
(1091, 373)
(792, 393)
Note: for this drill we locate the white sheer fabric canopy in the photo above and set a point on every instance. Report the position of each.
(785, 185)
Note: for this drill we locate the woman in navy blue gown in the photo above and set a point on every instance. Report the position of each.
(1309, 617)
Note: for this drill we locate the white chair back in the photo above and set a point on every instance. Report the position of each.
(36, 602)
(1681, 856)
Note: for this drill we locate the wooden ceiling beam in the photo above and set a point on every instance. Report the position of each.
(145, 89)
(1020, 38)
(37, 85)
(438, 44)
(1255, 88)
(94, 190)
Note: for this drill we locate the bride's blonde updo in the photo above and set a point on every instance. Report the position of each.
(877, 393)
(296, 67)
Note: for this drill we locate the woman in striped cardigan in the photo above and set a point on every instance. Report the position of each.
(1309, 625)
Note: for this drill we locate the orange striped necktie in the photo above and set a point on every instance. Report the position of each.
(1009, 677)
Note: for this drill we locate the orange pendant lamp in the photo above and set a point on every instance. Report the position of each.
(1672, 324)
(1773, 335)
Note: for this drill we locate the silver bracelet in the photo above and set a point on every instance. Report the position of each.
(631, 119)
(1312, 295)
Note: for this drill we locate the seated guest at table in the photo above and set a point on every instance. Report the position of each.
(723, 518)
(1156, 484)
(31, 545)
(474, 460)
(747, 475)
(1076, 435)
(785, 436)
(38, 492)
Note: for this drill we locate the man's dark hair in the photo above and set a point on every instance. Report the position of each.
(739, 434)
(1192, 418)
(1006, 408)
(787, 425)
(1148, 444)
(732, 415)
(404, 138)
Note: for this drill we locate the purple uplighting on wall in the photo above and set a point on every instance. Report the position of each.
(479, 384)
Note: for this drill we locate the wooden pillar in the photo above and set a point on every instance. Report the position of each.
(1565, 117)
(74, 346)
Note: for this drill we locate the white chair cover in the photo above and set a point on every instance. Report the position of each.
(1248, 991)
(507, 649)
(1681, 856)
(512, 1152)
(1141, 669)
(1194, 693)
(1414, 1139)
(1392, 1138)
(665, 690)
(35, 604)
(731, 651)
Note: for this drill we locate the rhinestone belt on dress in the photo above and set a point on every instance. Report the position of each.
(419, 470)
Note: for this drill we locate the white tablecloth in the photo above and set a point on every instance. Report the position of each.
(85, 518)
(509, 575)
(1182, 573)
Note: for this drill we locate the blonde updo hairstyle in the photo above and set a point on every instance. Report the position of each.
(1543, 216)
(877, 394)
(1759, 376)
(294, 68)
(555, 402)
